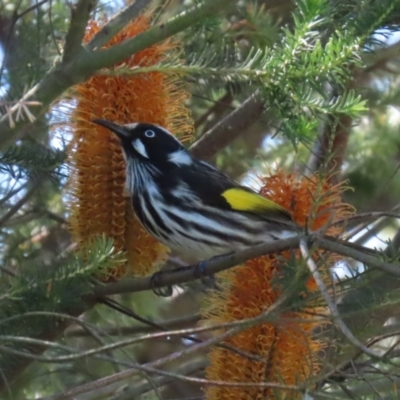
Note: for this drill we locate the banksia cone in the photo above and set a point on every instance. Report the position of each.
(286, 349)
(99, 204)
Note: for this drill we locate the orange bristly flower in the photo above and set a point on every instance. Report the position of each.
(99, 204)
(286, 348)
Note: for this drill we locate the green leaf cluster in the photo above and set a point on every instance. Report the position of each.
(59, 288)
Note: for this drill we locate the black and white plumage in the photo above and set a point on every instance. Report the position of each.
(189, 205)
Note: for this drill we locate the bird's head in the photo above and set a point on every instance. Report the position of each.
(149, 144)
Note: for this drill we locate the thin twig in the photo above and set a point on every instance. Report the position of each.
(331, 304)
(229, 128)
(16, 207)
(31, 8)
(138, 388)
(219, 105)
(348, 251)
(102, 382)
(160, 327)
(394, 245)
(268, 317)
(365, 216)
(365, 232)
(378, 58)
(11, 193)
(175, 323)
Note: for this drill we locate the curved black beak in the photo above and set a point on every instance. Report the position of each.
(119, 130)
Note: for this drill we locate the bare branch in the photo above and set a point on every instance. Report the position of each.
(229, 128)
(331, 304)
(118, 344)
(364, 310)
(175, 323)
(117, 23)
(187, 274)
(378, 59)
(219, 106)
(184, 370)
(366, 216)
(149, 367)
(346, 249)
(31, 8)
(16, 207)
(330, 146)
(218, 264)
(80, 14)
(18, 365)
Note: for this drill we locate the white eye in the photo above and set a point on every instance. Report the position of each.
(149, 133)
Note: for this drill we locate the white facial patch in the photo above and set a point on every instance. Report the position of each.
(180, 157)
(140, 148)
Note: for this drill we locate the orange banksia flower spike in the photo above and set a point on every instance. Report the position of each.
(99, 204)
(286, 349)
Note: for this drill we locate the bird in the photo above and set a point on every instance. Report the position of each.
(188, 204)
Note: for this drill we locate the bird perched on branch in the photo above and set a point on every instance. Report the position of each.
(188, 204)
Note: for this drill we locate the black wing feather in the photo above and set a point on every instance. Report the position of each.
(208, 184)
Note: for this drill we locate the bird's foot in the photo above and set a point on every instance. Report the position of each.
(158, 288)
(201, 270)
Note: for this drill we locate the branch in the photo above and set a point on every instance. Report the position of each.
(331, 303)
(229, 128)
(105, 58)
(136, 389)
(187, 274)
(87, 63)
(221, 263)
(364, 310)
(330, 146)
(15, 367)
(346, 249)
(357, 218)
(378, 59)
(219, 106)
(80, 14)
(31, 8)
(104, 348)
(17, 206)
(149, 367)
(117, 23)
(175, 323)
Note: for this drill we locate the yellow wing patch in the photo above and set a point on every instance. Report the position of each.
(242, 200)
